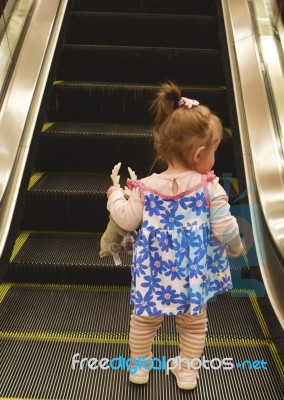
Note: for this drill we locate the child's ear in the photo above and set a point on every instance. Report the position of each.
(198, 154)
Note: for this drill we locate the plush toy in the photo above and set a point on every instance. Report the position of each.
(116, 240)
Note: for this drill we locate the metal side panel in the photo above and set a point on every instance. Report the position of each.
(260, 149)
(22, 102)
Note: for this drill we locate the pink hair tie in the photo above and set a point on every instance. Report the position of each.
(184, 101)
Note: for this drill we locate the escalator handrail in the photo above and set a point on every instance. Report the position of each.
(260, 142)
(261, 154)
(22, 101)
(13, 26)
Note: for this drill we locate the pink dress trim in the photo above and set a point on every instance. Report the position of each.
(209, 177)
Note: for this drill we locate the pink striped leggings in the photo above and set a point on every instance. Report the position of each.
(192, 332)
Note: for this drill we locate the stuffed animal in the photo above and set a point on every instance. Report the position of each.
(116, 240)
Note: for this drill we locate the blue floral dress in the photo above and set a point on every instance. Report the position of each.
(177, 263)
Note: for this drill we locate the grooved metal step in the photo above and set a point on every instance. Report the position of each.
(117, 29)
(103, 131)
(95, 147)
(95, 185)
(122, 103)
(92, 184)
(75, 202)
(191, 7)
(141, 64)
(65, 257)
(58, 322)
(46, 361)
(30, 308)
(83, 147)
(71, 202)
(73, 257)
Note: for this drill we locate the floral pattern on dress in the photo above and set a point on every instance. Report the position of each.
(178, 265)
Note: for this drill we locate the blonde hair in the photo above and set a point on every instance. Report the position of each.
(178, 129)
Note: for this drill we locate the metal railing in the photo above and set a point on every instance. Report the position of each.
(14, 21)
(263, 157)
(21, 104)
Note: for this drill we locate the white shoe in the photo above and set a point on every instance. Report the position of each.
(140, 377)
(186, 378)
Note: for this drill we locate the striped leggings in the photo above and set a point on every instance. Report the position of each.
(192, 332)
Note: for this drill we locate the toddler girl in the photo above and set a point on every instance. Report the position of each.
(186, 233)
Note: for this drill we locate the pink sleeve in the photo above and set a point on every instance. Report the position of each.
(127, 214)
(223, 225)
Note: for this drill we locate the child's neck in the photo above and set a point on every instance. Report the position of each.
(176, 168)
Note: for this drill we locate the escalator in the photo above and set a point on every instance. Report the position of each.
(58, 297)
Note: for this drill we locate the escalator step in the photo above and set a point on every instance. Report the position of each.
(122, 103)
(143, 30)
(141, 64)
(103, 131)
(102, 305)
(74, 202)
(90, 147)
(42, 362)
(92, 184)
(64, 257)
(190, 7)
(59, 322)
(82, 147)
(73, 257)
(35, 304)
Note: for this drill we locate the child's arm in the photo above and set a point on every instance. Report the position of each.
(111, 190)
(126, 213)
(235, 251)
(235, 246)
(223, 225)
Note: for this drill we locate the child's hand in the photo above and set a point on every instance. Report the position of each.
(111, 190)
(235, 251)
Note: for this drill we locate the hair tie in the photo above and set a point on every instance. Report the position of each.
(189, 103)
